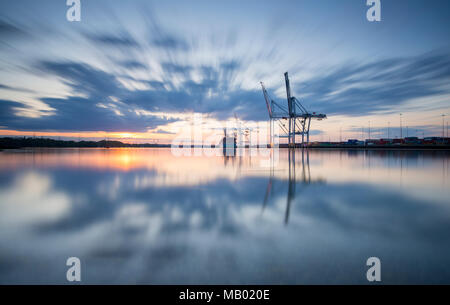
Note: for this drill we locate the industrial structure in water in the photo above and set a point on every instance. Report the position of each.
(296, 116)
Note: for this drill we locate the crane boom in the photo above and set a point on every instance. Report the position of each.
(266, 97)
(288, 93)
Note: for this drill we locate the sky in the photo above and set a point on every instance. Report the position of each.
(141, 71)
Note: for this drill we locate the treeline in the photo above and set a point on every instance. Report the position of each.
(14, 143)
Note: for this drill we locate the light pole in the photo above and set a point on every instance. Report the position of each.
(401, 129)
(389, 127)
(443, 120)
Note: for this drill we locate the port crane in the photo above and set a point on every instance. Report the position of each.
(298, 118)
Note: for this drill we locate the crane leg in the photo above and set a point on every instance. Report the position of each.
(307, 137)
(293, 132)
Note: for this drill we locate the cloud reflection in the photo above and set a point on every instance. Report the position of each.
(175, 233)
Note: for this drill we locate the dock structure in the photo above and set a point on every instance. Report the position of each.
(297, 117)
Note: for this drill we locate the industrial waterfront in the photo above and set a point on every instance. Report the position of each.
(238, 143)
(142, 215)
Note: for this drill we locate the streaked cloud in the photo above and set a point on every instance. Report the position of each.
(112, 78)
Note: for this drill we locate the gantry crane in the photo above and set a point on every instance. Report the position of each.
(297, 116)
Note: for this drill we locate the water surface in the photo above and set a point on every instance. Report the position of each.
(146, 216)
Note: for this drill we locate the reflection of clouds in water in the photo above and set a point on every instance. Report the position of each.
(362, 208)
(162, 241)
(31, 199)
(110, 188)
(196, 219)
(219, 231)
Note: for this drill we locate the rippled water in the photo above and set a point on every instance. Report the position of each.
(146, 216)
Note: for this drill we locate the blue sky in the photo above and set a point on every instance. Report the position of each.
(140, 67)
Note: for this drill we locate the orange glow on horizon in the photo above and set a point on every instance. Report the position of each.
(126, 137)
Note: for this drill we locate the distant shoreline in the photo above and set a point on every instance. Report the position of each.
(403, 147)
(18, 143)
(29, 143)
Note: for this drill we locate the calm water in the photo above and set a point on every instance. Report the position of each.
(145, 216)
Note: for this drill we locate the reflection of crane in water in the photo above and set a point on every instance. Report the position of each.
(306, 178)
(237, 159)
(292, 180)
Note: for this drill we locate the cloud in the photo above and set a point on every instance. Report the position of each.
(394, 130)
(168, 42)
(97, 109)
(123, 39)
(83, 78)
(7, 111)
(132, 64)
(212, 94)
(9, 30)
(160, 131)
(79, 114)
(172, 68)
(159, 37)
(162, 71)
(316, 132)
(377, 87)
(19, 89)
(348, 90)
